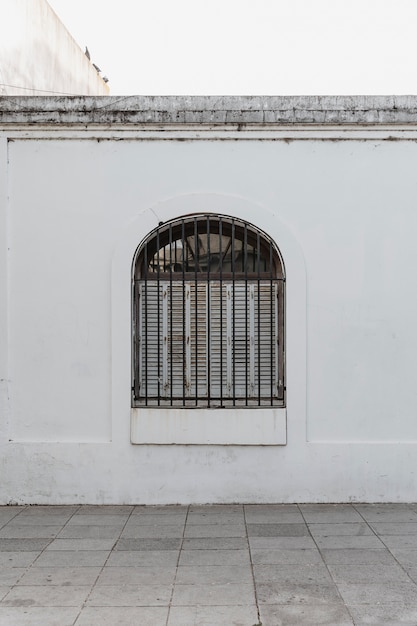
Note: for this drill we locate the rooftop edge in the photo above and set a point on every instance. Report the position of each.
(211, 110)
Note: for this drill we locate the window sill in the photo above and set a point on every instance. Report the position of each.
(240, 427)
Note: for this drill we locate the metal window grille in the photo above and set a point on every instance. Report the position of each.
(208, 316)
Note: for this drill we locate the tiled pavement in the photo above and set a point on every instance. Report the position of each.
(230, 565)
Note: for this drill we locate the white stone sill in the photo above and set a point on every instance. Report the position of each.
(240, 427)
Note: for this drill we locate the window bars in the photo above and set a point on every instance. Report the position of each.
(208, 316)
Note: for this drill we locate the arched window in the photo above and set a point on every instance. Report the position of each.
(208, 316)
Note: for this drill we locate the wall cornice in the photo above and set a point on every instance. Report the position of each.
(226, 111)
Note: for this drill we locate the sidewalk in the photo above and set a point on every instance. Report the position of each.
(220, 565)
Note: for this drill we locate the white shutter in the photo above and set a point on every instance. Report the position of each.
(238, 344)
(165, 347)
(150, 351)
(220, 334)
(181, 358)
(198, 339)
(218, 344)
(266, 340)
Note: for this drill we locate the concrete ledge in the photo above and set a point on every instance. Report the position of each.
(242, 427)
(209, 110)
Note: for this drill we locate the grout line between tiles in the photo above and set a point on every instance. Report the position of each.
(327, 567)
(93, 586)
(251, 569)
(176, 567)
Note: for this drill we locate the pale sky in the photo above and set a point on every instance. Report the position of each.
(258, 47)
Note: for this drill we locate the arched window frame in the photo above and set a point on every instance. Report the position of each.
(232, 274)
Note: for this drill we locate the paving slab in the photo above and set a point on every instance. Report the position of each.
(356, 529)
(125, 575)
(105, 509)
(278, 530)
(394, 528)
(215, 509)
(132, 544)
(381, 593)
(215, 530)
(215, 543)
(123, 616)
(304, 615)
(366, 542)
(333, 513)
(279, 593)
(218, 518)
(355, 557)
(145, 558)
(46, 596)
(232, 594)
(12, 531)
(63, 576)
(171, 519)
(386, 615)
(144, 509)
(272, 509)
(10, 575)
(79, 544)
(38, 616)
(139, 531)
(407, 558)
(281, 543)
(7, 514)
(368, 573)
(293, 574)
(72, 558)
(400, 541)
(44, 519)
(23, 545)
(90, 532)
(17, 559)
(303, 556)
(213, 616)
(386, 513)
(271, 517)
(55, 509)
(97, 519)
(4, 590)
(412, 573)
(213, 574)
(130, 595)
(382, 506)
(214, 557)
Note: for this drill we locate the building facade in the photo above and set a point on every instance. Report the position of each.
(208, 299)
(38, 56)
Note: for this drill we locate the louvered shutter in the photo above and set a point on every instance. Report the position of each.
(216, 340)
(244, 340)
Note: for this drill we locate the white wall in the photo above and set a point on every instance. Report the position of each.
(38, 54)
(343, 215)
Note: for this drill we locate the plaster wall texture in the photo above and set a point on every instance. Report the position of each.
(74, 205)
(38, 54)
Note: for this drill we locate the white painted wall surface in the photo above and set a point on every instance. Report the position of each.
(38, 55)
(343, 215)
